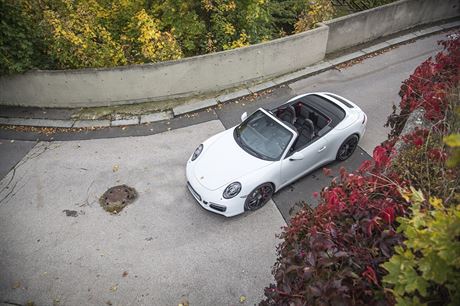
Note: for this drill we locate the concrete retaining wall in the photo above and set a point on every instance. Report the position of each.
(218, 71)
(364, 26)
(151, 82)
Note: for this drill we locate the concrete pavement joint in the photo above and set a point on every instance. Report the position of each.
(233, 95)
(154, 117)
(91, 123)
(375, 48)
(126, 121)
(261, 87)
(428, 31)
(198, 104)
(401, 39)
(194, 105)
(346, 58)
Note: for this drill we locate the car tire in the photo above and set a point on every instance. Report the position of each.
(347, 147)
(259, 197)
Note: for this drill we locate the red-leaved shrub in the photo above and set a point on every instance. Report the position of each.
(428, 86)
(332, 254)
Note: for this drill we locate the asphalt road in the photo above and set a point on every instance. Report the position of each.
(170, 248)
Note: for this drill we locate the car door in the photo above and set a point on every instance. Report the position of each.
(302, 161)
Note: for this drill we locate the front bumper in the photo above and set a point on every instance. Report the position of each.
(212, 200)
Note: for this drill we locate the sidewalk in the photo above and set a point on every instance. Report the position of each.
(158, 111)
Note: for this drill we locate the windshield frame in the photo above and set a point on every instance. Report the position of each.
(247, 149)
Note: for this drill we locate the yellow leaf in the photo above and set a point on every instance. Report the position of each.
(452, 140)
(436, 203)
(405, 194)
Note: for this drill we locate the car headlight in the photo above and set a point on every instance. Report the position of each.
(232, 190)
(197, 152)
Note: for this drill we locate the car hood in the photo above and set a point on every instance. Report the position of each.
(224, 162)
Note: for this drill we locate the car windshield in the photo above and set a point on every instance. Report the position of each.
(262, 136)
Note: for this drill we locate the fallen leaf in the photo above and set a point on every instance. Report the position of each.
(242, 299)
(183, 302)
(109, 303)
(115, 168)
(114, 288)
(125, 274)
(16, 285)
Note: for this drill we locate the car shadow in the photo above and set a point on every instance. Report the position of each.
(291, 198)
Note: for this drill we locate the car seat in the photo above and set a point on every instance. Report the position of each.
(287, 114)
(307, 129)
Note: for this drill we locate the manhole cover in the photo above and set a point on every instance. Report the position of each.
(116, 198)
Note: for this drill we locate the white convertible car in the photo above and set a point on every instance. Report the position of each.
(239, 169)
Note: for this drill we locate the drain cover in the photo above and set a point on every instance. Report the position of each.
(117, 197)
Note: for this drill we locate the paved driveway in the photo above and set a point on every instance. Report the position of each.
(161, 249)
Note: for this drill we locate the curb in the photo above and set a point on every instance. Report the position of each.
(197, 104)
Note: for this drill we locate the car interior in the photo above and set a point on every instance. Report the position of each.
(308, 122)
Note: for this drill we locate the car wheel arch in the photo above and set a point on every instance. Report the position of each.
(345, 141)
(248, 205)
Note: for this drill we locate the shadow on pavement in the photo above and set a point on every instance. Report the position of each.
(302, 190)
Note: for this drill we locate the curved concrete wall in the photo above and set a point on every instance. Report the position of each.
(364, 26)
(151, 82)
(218, 71)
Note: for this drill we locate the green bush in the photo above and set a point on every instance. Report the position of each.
(77, 39)
(146, 43)
(426, 269)
(66, 34)
(16, 43)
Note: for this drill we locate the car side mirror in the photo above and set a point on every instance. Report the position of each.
(296, 156)
(244, 116)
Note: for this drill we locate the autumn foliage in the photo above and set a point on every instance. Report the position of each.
(65, 34)
(336, 253)
(428, 86)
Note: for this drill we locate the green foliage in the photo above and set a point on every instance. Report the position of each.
(294, 16)
(16, 38)
(146, 43)
(453, 140)
(65, 34)
(91, 33)
(423, 165)
(316, 11)
(117, 14)
(78, 39)
(183, 20)
(426, 270)
(235, 23)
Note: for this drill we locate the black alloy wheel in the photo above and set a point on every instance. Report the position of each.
(347, 148)
(259, 197)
